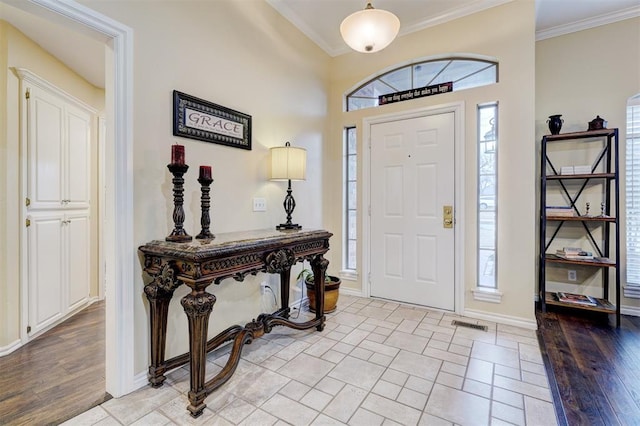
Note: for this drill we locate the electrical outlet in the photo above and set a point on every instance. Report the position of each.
(259, 205)
(572, 275)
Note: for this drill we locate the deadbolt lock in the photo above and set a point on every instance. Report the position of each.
(447, 216)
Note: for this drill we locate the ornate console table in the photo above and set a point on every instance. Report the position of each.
(202, 262)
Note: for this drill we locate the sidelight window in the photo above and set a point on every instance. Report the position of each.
(350, 200)
(487, 211)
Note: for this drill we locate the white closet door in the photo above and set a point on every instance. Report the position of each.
(46, 283)
(78, 177)
(58, 142)
(76, 232)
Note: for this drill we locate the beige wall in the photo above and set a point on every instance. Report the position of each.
(18, 51)
(505, 33)
(245, 56)
(584, 74)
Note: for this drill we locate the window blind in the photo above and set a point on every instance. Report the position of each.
(633, 192)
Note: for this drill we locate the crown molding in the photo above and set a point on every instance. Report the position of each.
(300, 24)
(585, 24)
(452, 14)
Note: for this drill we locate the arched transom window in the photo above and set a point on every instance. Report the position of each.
(464, 73)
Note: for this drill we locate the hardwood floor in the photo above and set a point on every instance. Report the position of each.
(57, 375)
(595, 366)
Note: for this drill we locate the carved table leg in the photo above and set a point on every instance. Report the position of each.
(159, 297)
(319, 266)
(285, 276)
(198, 307)
(159, 293)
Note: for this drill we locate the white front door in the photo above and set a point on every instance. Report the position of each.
(412, 180)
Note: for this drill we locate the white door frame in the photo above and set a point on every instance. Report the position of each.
(117, 244)
(458, 109)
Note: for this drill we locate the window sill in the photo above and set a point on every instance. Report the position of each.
(631, 291)
(487, 295)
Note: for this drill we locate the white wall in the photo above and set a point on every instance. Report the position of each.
(581, 75)
(244, 56)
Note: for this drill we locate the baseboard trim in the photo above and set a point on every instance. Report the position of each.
(6, 350)
(634, 311)
(351, 292)
(140, 380)
(502, 319)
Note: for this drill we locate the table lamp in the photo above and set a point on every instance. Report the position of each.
(288, 163)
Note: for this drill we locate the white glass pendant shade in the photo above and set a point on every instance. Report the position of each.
(369, 30)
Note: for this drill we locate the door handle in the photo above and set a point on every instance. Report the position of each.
(447, 216)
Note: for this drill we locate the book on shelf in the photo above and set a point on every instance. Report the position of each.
(566, 170)
(576, 299)
(563, 211)
(575, 170)
(582, 170)
(574, 253)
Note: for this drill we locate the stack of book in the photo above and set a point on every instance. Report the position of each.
(560, 211)
(574, 253)
(576, 299)
(582, 170)
(575, 170)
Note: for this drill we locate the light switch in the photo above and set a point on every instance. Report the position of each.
(259, 205)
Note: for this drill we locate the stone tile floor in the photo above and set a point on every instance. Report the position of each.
(376, 363)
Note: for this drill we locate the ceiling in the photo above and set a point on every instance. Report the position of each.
(320, 21)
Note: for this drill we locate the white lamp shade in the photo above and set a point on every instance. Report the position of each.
(369, 30)
(288, 162)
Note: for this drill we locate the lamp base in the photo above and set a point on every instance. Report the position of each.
(288, 226)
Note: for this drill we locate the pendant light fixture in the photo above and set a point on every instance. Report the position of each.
(369, 30)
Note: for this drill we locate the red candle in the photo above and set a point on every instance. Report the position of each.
(177, 154)
(205, 172)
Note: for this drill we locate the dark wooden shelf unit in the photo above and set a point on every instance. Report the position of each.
(605, 173)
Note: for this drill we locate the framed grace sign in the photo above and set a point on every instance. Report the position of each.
(196, 118)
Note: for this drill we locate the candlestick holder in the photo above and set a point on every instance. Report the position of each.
(178, 235)
(205, 203)
(602, 209)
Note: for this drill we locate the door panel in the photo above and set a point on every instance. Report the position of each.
(45, 166)
(45, 269)
(77, 238)
(412, 178)
(78, 152)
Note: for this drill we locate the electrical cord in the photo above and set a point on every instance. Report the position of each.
(300, 304)
(275, 300)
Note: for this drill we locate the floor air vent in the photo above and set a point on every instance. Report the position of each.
(469, 325)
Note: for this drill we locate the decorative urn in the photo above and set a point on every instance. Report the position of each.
(597, 123)
(555, 123)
